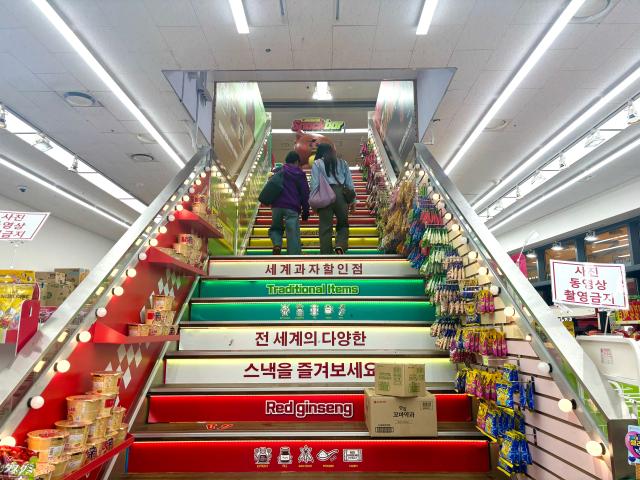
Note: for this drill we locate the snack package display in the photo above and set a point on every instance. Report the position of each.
(17, 463)
(12, 296)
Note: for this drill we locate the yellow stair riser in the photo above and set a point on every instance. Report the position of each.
(313, 231)
(315, 242)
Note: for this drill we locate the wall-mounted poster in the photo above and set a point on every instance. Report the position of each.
(395, 120)
(239, 118)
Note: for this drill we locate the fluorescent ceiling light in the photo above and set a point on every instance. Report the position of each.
(616, 247)
(569, 129)
(67, 159)
(572, 181)
(426, 16)
(322, 92)
(237, 9)
(610, 239)
(57, 21)
(59, 191)
(531, 61)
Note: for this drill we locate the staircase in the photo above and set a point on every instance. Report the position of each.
(269, 373)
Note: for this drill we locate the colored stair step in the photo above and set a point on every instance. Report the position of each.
(353, 221)
(314, 251)
(301, 456)
(273, 287)
(315, 242)
(354, 231)
(328, 407)
(320, 309)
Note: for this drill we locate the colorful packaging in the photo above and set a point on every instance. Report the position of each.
(17, 462)
(106, 381)
(48, 444)
(77, 433)
(83, 408)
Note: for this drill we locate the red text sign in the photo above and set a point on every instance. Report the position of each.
(21, 225)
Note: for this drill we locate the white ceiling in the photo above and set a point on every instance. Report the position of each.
(137, 39)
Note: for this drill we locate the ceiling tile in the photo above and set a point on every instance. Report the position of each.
(390, 59)
(171, 13)
(357, 12)
(189, 47)
(400, 13)
(593, 52)
(452, 13)
(61, 82)
(573, 35)
(435, 49)
(310, 24)
(479, 35)
(352, 46)
(263, 13)
(32, 54)
(19, 76)
(391, 38)
(275, 38)
(234, 60)
(312, 59)
(469, 64)
(487, 85)
(101, 119)
(514, 46)
(539, 11)
(626, 11)
(9, 20)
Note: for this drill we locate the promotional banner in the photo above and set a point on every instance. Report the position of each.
(335, 338)
(599, 285)
(21, 225)
(317, 124)
(395, 121)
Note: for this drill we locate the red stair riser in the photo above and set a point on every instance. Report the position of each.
(254, 408)
(378, 455)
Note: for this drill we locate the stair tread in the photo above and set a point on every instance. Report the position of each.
(307, 476)
(307, 429)
(308, 353)
(234, 388)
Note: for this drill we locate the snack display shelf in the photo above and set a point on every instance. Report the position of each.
(105, 334)
(158, 257)
(490, 437)
(101, 460)
(197, 223)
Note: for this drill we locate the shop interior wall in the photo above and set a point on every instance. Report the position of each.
(615, 205)
(59, 244)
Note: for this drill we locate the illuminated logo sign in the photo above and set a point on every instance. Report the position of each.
(306, 408)
(317, 124)
(324, 289)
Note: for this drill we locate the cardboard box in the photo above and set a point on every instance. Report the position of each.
(401, 417)
(400, 379)
(50, 277)
(54, 294)
(73, 275)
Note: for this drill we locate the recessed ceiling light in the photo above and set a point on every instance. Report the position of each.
(322, 91)
(142, 158)
(239, 16)
(428, 9)
(144, 138)
(80, 99)
(496, 124)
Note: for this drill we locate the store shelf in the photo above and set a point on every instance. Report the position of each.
(105, 334)
(158, 257)
(197, 223)
(92, 465)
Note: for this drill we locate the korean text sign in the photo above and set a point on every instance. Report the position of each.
(21, 225)
(599, 285)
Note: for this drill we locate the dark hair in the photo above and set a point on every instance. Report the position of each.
(292, 157)
(328, 155)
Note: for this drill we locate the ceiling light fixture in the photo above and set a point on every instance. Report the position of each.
(322, 92)
(557, 247)
(56, 20)
(3, 117)
(531, 254)
(80, 99)
(59, 191)
(74, 165)
(572, 181)
(593, 139)
(553, 142)
(239, 16)
(632, 114)
(590, 236)
(531, 61)
(428, 9)
(42, 144)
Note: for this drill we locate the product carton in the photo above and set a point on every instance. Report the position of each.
(54, 294)
(74, 275)
(50, 277)
(399, 379)
(401, 417)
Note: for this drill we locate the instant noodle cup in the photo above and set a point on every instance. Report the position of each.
(122, 434)
(156, 330)
(77, 431)
(95, 448)
(162, 302)
(98, 429)
(76, 459)
(106, 381)
(116, 419)
(48, 444)
(110, 441)
(44, 471)
(108, 402)
(138, 330)
(154, 317)
(59, 466)
(83, 408)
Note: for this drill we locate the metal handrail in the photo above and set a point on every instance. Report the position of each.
(573, 371)
(389, 172)
(32, 369)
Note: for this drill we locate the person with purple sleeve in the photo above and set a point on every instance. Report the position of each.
(286, 210)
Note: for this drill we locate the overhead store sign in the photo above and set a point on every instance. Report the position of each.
(317, 124)
(309, 268)
(21, 225)
(270, 339)
(599, 285)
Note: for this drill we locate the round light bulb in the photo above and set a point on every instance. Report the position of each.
(171, 218)
(483, 271)
(495, 290)
(440, 204)
(473, 255)
(179, 207)
(203, 175)
(544, 367)
(510, 311)
(448, 216)
(430, 189)
(84, 336)
(185, 198)
(153, 242)
(192, 190)
(117, 291)
(131, 272)
(162, 229)
(192, 175)
(435, 197)
(62, 366)
(528, 337)
(595, 449)
(8, 442)
(207, 168)
(142, 256)
(101, 312)
(455, 227)
(565, 405)
(36, 402)
(198, 182)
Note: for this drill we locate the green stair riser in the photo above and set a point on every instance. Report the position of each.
(310, 287)
(354, 311)
(315, 242)
(354, 231)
